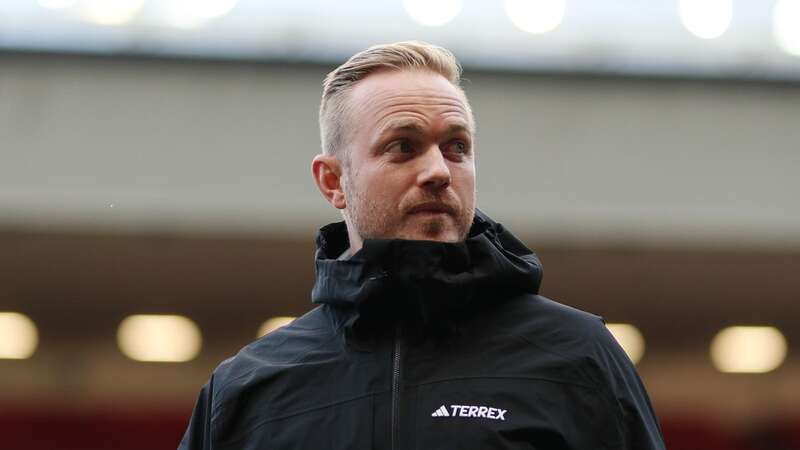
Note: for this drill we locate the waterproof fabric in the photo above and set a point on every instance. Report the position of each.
(428, 345)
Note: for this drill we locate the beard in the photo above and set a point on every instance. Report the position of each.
(373, 218)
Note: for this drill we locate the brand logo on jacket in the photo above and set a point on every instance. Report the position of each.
(474, 412)
(441, 412)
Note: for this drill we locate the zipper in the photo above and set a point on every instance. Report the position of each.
(396, 390)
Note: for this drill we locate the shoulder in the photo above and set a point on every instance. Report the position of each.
(241, 385)
(579, 339)
(548, 321)
(275, 351)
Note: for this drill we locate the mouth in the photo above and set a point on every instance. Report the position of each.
(431, 209)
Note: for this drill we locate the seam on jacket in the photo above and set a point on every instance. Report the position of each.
(263, 422)
(614, 402)
(501, 377)
(620, 421)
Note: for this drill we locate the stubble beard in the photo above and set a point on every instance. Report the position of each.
(366, 215)
(372, 220)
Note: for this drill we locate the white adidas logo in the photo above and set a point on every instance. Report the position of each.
(441, 412)
(475, 412)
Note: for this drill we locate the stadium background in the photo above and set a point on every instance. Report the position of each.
(157, 168)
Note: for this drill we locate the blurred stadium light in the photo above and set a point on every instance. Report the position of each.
(786, 23)
(748, 349)
(18, 336)
(432, 14)
(706, 19)
(159, 338)
(629, 338)
(110, 12)
(540, 16)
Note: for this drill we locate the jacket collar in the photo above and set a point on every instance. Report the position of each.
(421, 282)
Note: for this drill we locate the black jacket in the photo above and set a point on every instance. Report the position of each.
(427, 345)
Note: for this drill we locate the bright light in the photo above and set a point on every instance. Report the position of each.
(748, 349)
(57, 4)
(193, 13)
(110, 12)
(163, 338)
(706, 19)
(18, 336)
(536, 16)
(273, 324)
(432, 13)
(786, 25)
(629, 338)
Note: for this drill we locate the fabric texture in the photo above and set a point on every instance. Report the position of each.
(428, 345)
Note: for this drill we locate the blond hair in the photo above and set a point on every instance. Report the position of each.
(334, 111)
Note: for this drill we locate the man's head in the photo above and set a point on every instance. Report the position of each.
(397, 145)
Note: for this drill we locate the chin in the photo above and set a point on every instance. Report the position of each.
(434, 233)
(439, 229)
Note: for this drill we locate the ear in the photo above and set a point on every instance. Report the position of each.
(327, 174)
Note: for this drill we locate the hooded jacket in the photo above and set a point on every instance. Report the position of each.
(428, 345)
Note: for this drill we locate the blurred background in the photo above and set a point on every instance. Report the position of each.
(157, 211)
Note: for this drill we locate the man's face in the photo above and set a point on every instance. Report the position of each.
(411, 172)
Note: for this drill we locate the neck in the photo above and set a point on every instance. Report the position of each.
(355, 239)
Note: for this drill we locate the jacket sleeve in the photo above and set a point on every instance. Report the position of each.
(639, 428)
(198, 433)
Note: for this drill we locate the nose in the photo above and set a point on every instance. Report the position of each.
(435, 173)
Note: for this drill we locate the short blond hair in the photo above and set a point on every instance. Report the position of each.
(334, 111)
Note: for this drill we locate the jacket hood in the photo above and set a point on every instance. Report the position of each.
(421, 282)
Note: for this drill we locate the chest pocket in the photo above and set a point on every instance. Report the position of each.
(340, 426)
(511, 413)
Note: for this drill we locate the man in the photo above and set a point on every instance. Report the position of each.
(429, 332)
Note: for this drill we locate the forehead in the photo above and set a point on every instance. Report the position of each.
(389, 94)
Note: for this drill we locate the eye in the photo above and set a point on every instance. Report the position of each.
(458, 147)
(402, 146)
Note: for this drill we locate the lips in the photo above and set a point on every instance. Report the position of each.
(432, 208)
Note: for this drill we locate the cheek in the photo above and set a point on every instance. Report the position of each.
(464, 183)
(381, 187)
(391, 180)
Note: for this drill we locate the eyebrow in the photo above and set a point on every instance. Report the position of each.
(400, 125)
(413, 126)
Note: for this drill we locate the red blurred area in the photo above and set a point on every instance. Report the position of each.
(96, 430)
(103, 430)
